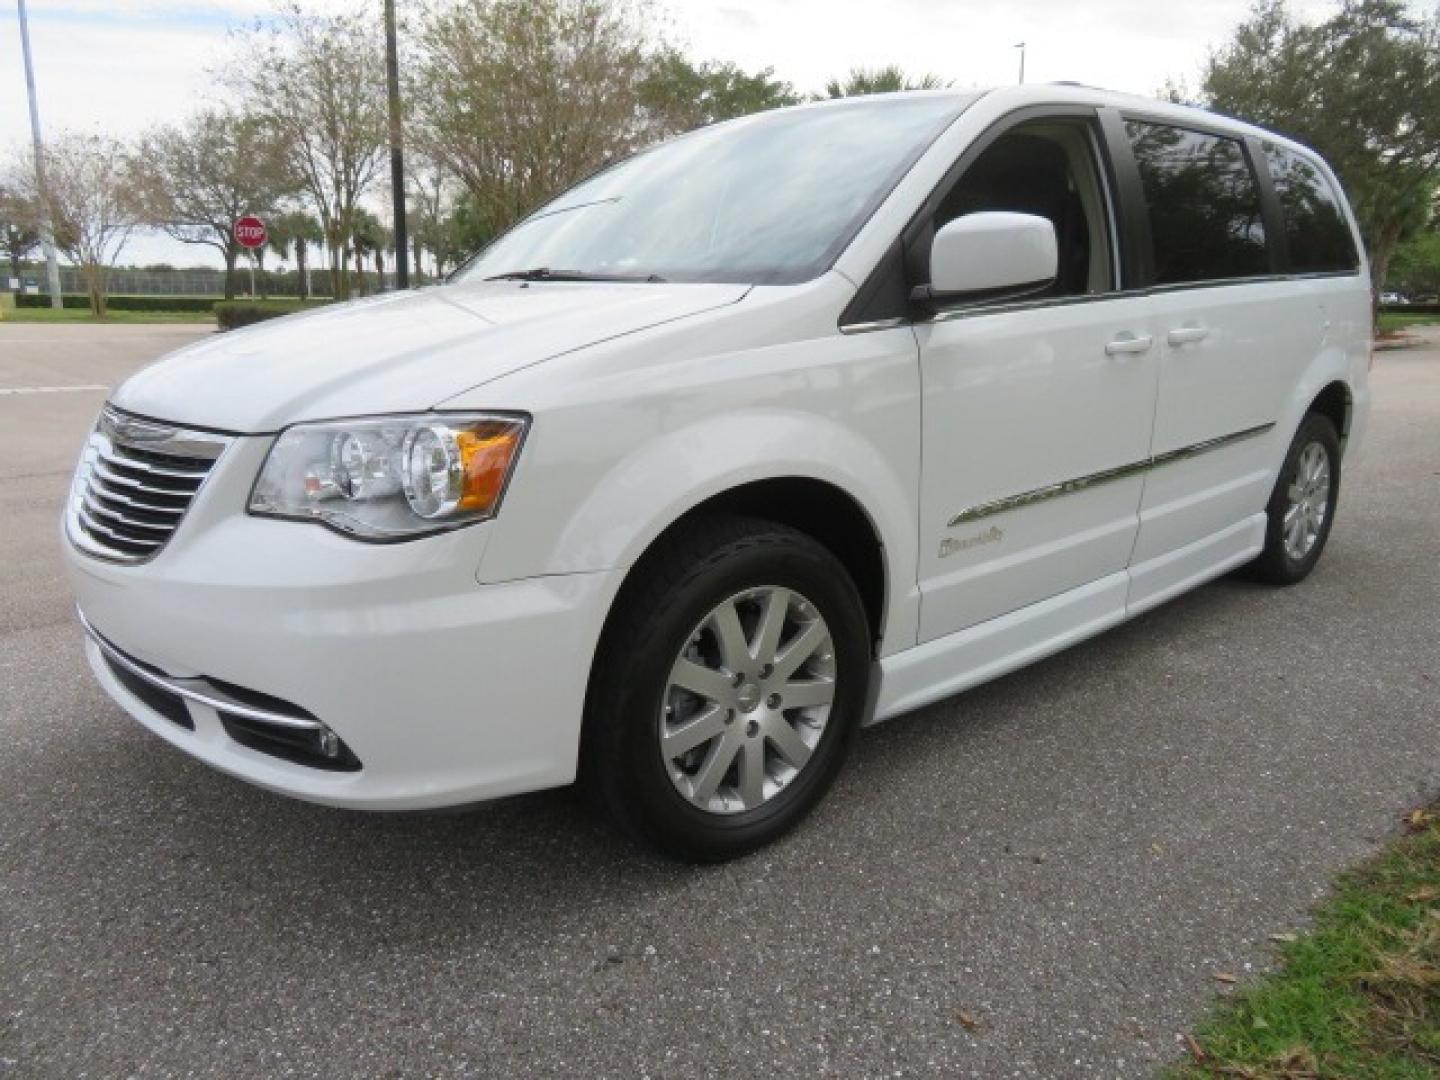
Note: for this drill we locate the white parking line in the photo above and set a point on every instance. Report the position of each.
(50, 389)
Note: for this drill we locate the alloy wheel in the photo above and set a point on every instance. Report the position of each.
(1309, 501)
(747, 700)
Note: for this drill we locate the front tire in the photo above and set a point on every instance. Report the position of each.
(1302, 506)
(727, 688)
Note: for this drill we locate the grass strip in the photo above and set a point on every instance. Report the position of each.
(1356, 996)
(1391, 321)
(74, 315)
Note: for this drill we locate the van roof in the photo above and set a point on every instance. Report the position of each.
(1068, 93)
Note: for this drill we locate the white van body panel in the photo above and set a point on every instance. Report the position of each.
(627, 439)
(647, 400)
(395, 352)
(1031, 397)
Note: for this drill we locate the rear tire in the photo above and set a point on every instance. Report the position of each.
(1302, 506)
(727, 688)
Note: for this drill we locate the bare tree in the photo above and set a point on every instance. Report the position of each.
(430, 198)
(521, 98)
(194, 179)
(318, 81)
(19, 228)
(92, 202)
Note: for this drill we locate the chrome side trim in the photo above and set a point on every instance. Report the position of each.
(1209, 444)
(1105, 476)
(1050, 491)
(197, 690)
(871, 327)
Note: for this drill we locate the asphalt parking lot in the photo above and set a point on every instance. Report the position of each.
(1040, 878)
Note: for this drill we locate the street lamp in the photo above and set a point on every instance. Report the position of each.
(397, 152)
(42, 188)
(1021, 46)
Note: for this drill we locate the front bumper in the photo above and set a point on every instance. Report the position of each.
(446, 691)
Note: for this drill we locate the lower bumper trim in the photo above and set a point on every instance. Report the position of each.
(200, 691)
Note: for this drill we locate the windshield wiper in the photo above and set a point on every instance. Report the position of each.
(544, 273)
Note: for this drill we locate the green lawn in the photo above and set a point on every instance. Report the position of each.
(81, 315)
(1390, 320)
(1358, 996)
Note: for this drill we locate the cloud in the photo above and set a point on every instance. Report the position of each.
(121, 65)
(115, 77)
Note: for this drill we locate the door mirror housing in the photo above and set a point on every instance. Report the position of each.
(989, 254)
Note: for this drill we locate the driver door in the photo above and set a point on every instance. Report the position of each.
(1037, 412)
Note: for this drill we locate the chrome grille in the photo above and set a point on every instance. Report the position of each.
(135, 481)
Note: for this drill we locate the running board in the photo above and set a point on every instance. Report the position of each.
(937, 669)
(945, 666)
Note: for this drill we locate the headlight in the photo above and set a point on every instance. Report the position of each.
(391, 478)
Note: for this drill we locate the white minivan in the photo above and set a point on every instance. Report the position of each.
(785, 426)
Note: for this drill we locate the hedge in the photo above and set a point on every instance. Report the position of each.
(123, 303)
(232, 314)
(1410, 309)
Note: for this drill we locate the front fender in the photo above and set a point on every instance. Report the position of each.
(629, 435)
(661, 480)
(690, 465)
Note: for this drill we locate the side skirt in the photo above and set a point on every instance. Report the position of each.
(938, 669)
(1167, 576)
(955, 662)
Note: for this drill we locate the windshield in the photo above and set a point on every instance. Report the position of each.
(770, 199)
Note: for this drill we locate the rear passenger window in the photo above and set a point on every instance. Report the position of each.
(1204, 204)
(1316, 232)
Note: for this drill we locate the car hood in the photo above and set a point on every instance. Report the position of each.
(398, 352)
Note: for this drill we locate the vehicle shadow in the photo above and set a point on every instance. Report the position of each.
(296, 869)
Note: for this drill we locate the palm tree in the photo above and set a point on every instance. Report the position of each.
(368, 237)
(299, 230)
(884, 80)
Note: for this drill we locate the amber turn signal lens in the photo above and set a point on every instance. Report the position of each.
(485, 458)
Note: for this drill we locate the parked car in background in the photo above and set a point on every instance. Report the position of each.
(1392, 298)
(788, 425)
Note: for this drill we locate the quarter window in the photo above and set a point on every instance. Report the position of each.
(1204, 202)
(1316, 233)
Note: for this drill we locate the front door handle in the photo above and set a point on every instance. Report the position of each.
(1129, 343)
(1187, 335)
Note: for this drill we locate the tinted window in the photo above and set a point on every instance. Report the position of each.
(1316, 232)
(1204, 204)
(772, 198)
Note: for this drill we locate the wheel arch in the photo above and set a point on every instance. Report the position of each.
(820, 509)
(1329, 387)
(829, 515)
(1337, 404)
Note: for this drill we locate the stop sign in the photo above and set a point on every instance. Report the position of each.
(250, 231)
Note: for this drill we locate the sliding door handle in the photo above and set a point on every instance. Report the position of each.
(1187, 335)
(1128, 343)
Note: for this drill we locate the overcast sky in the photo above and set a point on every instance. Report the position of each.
(120, 65)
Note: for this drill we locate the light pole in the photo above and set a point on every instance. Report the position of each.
(397, 152)
(1021, 46)
(47, 233)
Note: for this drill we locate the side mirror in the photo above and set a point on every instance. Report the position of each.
(990, 252)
